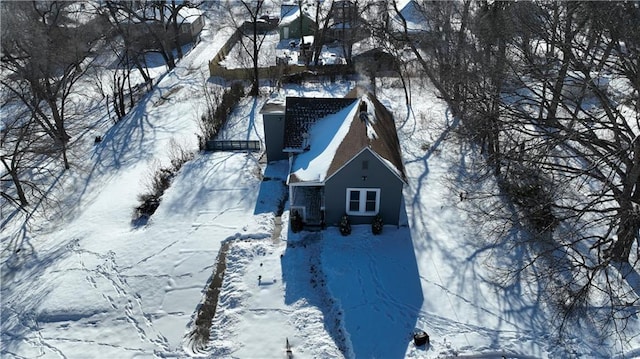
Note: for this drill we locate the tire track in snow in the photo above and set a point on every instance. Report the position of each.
(25, 319)
(44, 343)
(211, 222)
(383, 294)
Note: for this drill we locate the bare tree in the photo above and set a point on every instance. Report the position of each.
(24, 145)
(150, 26)
(589, 135)
(562, 146)
(322, 20)
(244, 17)
(440, 54)
(45, 52)
(121, 15)
(173, 20)
(569, 152)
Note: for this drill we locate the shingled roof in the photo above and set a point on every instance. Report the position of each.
(374, 128)
(303, 112)
(366, 124)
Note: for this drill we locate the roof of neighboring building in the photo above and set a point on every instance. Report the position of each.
(290, 12)
(189, 15)
(413, 14)
(273, 106)
(334, 140)
(185, 15)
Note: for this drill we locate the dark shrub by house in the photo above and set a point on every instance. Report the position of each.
(345, 226)
(296, 222)
(377, 224)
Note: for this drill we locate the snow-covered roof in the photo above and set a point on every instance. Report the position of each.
(413, 13)
(365, 45)
(186, 15)
(325, 136)
(290, 12)
(189, 15)
(302, 113)
(275, 105)
(335, 139)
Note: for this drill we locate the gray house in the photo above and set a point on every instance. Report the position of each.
(344, 157)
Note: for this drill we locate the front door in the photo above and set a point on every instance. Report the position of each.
(308, 201)
(314, 205)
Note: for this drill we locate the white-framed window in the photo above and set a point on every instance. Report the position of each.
(363, 201)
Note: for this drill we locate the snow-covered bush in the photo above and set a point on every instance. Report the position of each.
(377, 224)
(345, 226)
(296, 222)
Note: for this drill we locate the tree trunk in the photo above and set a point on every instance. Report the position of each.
(628, 232)
(176, 29)
(256, 70)
(65, 159)
(629, 212)
(22, 198)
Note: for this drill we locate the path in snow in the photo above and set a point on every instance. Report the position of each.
(198, 338)
(306, 248)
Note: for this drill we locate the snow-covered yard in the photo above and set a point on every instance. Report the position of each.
(272, 48)
(90, 284)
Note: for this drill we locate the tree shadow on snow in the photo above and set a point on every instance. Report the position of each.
(368, 287)
(19, 319)
(501, 255)
(273, 189)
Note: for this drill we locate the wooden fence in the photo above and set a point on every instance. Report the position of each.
(288, 73)
(232, 145)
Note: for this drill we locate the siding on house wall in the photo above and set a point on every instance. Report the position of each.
(350, 176)
(196, 27)
(274, 136)
(294, 28)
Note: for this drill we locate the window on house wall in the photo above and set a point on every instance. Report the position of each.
(363, 201)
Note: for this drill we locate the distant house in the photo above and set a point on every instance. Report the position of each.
(191, 23)
(296, 23)
(344, 21)
(413, 13)
(375, 61)
(344, 157)
(150, 20)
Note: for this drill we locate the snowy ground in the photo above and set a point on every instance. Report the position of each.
(92, 285)
(272, 47)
